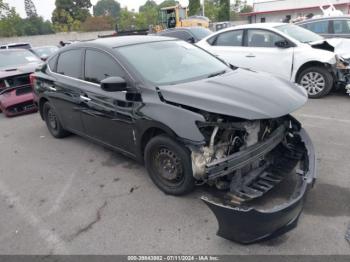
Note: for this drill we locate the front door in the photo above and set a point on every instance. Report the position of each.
(107, 116)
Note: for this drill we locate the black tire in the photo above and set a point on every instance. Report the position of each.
(313, 85)
(53, 123)
(169, 165)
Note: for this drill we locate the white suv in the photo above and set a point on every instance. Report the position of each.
(285, 50)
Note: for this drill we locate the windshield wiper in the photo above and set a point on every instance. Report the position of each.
(217, 74)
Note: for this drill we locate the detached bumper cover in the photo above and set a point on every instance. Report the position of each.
(252, 225)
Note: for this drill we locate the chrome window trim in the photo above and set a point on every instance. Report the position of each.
(84, 48)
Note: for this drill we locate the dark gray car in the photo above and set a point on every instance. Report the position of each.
(192, 120)
(188, 34)
(329, 27)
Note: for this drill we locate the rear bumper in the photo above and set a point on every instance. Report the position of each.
(251, 225)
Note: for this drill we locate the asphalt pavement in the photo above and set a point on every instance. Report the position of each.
(71, 196)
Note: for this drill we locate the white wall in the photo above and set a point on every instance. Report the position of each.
(53, 39)
(291, 4)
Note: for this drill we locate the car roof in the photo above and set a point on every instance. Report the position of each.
(255, 25)
(119, 41)
(323, 18)
(13, 50)
(183, 29)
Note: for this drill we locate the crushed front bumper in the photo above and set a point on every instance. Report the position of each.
(249, 225)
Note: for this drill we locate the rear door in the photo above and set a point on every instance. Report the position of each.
(63, 89)
(107, 116)
(228, 46)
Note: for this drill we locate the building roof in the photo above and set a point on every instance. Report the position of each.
(283, 6)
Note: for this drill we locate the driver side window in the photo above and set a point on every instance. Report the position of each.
(262, 38)
(99, 66)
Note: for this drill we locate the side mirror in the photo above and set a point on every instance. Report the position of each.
(282, 44)
(191, 40)
(44, 57)
(114, 84)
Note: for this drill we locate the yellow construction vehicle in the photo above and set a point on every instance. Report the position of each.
(177, 16)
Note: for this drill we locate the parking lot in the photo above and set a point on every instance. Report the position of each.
(71, 196)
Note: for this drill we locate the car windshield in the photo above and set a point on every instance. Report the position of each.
(45, 51)
(12, 58)
(171, 62)
(201, 33)
(299, 33)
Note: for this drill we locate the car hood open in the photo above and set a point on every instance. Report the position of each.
(241, 93)
(340, 46)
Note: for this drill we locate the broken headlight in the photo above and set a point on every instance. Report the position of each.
(341, 63)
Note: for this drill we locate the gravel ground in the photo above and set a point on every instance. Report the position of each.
(71, 196)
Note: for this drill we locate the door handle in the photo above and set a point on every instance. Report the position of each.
(51, 88)
(86, 99)
(250, 56)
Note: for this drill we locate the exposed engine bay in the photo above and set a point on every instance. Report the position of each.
(262, 170)
(246, 159)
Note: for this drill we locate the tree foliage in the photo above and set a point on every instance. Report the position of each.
(224, 12)
(11, 24)
(194, 7)
(107, 8)
(167, 3)
(30, 8)
(97, 23)
(69, 14)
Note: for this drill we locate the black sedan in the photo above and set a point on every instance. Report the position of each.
(188, 34)
(192, 120)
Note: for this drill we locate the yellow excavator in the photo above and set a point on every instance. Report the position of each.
(177, 16)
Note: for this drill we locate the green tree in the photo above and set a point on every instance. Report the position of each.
(97, 23)
(212, 8)
(127, 20)
(148, 14)
(30, 8)
(107, 8)
(224, 12)
(194, 7)
(69, 14)
(246, 9)
(167, 3)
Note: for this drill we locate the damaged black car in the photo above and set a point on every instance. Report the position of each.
(192, 120)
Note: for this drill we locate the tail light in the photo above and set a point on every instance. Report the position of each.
(32, 79)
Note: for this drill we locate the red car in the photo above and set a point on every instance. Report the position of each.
(16, 93)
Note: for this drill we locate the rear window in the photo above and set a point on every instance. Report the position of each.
(70, 63)
(12, 58)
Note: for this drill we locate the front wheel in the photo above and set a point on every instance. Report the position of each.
(317, 81)
(169, 165)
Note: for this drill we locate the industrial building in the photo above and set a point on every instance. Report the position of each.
(286, 10)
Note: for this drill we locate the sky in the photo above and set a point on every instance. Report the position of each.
(45, 7)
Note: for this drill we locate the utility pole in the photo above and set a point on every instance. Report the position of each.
(203, 8)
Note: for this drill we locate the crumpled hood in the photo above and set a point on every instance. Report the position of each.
(340, 46)
(241, 93)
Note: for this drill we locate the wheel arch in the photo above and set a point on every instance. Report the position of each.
(311, 64)
(148, 132)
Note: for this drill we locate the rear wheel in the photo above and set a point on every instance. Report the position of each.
(53, 123)
(317, 81)
(169, 165)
